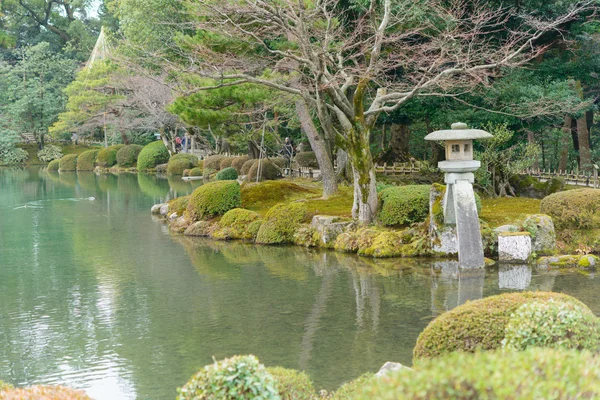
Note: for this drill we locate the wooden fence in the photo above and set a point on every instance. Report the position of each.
(578, 178)
(397, 169)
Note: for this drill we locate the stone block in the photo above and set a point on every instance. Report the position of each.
(329, 228)
(443, 237)
(514, 246)
(543, 233)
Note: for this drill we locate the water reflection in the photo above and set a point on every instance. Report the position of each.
(516, 277)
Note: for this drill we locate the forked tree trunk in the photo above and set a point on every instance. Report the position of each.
(585, 157)
(564, 144)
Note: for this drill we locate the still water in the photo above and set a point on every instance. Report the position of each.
(96, 294)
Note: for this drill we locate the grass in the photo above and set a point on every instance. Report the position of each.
(32, 150)
(508, 210)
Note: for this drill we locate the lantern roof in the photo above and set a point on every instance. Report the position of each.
(459, 131)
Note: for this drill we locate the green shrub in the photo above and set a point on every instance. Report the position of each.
(292, 384)
(307, 159)
(281, 222)
(49, 153)
(68, 163)
(225, 163)
(403, 205)
(86, 161)
(280, 162)
(127, 155)
(151, 155)
(552, 324)
(41, 392)
(531, 374)
(349, 389)
(235, 378)
(196, 171)
(213, 162)
(176, 166)
(238, 162)
(237, 224)
(579, 208)
(269, 171)
(107, 157)
(186, 156)
(54, 165)
(227, 174)
(179, 205)
(247, 165)
(213, 199)
(477, 325)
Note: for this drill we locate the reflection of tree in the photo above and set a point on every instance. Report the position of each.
(87, 181)
(153, 186)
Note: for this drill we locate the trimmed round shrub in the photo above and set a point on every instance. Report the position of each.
(269, 171)
(107, 157)
(403, 205)
(227, 174)
(213, 199)
(42, 392)
(186, 156)
(213, 162)
(281, 223)
(478, 325)
(349, 389)
(225, 163)
(237, 224)
(239, 377)
(87, 160)
(49, 153)
(307, 159)
(68, 163)
(127, 155)
(552, 324)
(578, 209)
(531, 374)
(178, 165)
(238, 162)
(179, 205)
(280, 162)
(292, 384)
(54, 165)
(196, 171)
(247, 165)
(151, 155)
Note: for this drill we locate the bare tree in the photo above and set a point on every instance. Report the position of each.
(350, 70)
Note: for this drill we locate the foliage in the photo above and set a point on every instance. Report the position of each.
(107, 157)
(281, 222)
(237, 224)
(350, 389)
(5, 386)
(213, 199)
(246, 166)
(49, 153)
(552, 324)
(403, 205)
(177, 166)
(225, 163)
(579, 208)
(68, 162)
(179, 205)
(9, 154)
(227, 174)
(186, 156)
(151, 155)
(54, 165)
(269, 171)
(238, 162)
(292, 384)
(239, 377)
(196, 171)
(43, 392)
(127, 155)
(531, 374)
(307, 159)
(87, 160)
(477, 325)
(213, 162)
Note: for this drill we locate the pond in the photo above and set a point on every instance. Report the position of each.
(96, 294)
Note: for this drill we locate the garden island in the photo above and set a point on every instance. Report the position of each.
(277, 199)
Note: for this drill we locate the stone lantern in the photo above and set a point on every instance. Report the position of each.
(460, 209)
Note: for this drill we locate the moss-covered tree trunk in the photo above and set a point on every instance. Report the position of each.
(564, 144)
(585, 156)
(363, 169)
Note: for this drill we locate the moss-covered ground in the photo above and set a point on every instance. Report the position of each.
(32, 150)
(508, 210)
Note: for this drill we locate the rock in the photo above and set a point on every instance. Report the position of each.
(157, 207)
(389, 367)
(173, 216)
(506, 228)
(588, 261)
(164, 210)
(443, 238)
(514, 247)
(200, 228)
(543, 235)
(329, 228)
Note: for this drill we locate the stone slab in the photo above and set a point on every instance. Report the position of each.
(514, 247)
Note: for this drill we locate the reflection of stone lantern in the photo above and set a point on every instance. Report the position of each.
(459, 201)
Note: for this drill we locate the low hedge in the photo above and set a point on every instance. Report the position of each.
(227, 174)
(478, 325)
(281, 222)
(213, 199)
(579, 208)
(68, 163)
(291, 384)
(247, 165)
(179, 205)
(127, 155)
(54, 165)
(213, 162)
(269, 171)
(225, 163)
(307, 159)
(41, 392)
(152, 155)
(107, 157)
(238, 162)
(403, 205)
(237, 224)
(531, 374)
(196, 171)
(87, 160)
(239, 377)
(186, 156)
(177, 166)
